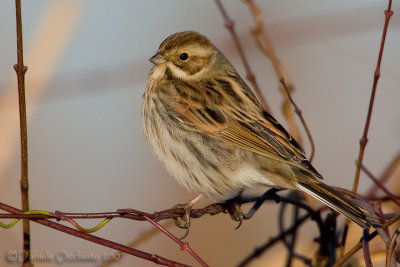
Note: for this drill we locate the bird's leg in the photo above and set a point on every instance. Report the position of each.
(184, 221)
(234, 210)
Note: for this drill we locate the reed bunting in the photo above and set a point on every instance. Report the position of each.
(212, 134)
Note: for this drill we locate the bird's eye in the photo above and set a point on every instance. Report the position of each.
(184, 56)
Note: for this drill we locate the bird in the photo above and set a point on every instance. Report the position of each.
(206, 126)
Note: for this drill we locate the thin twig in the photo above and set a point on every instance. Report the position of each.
(260, 250)
(229, 24)
(104, 242)
(20, 69)
(142, 238)
(390, 251)
(290, 240)
(390, 169)
(184, 245)
(140, 215)
(350, 193)
(271, 195)
(345, 257)
(172, 213)
(358, 246)
(299, 113)
(389, 194)
(364, 138)
(259, 32)
(365, 246)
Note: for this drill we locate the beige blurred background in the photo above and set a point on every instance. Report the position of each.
(87, 70)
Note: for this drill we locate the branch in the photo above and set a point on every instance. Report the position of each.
(389, 194)
(315, 215)
(390, 169)
(265, 46)
(364, 138)
(299, 113)
(42, 217)
(172, 213)
(229, 24)
(150, 257)
(259, 32)
(390, 251)
(20, 69)
(260, 250)
(365, 246)
(358, 246)
(184, 245)
(290, 240)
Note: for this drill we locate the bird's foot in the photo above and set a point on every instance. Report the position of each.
(234, 210)
(183, 222)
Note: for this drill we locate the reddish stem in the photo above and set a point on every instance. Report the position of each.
(184, 245)
(299, 113)
(389, 194)
(390, 250)
(386, 174)
(365, 246)
(364, 138)
(229, 24)
(147, 256)
(20, 69)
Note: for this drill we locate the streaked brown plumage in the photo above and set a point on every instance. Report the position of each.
(212, 134)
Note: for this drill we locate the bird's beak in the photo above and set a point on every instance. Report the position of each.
(157, 59)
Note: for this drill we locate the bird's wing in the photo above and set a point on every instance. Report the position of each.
(258, 133)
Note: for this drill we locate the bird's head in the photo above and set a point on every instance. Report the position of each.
(186, 55)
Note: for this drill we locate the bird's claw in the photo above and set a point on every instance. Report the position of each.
(183, 222)
(234, 210)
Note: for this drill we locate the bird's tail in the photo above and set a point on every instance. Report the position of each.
(361, 215)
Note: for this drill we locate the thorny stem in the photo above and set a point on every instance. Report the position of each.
(20, 69)
(364, 138)
(229, 24)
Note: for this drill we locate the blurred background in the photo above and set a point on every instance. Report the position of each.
(87, 71)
